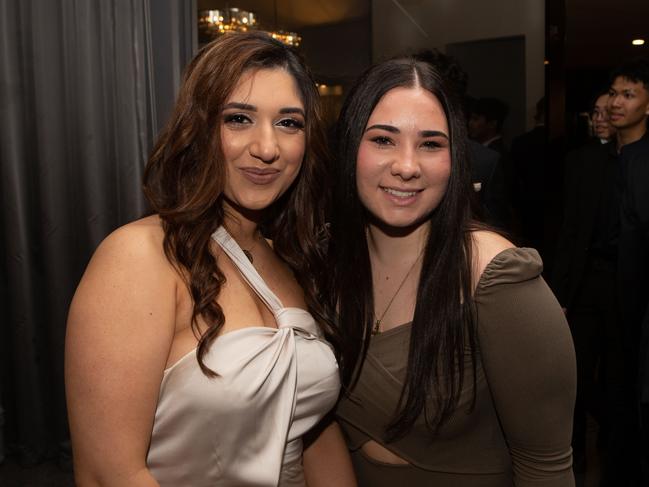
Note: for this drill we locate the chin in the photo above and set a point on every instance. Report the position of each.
(398, 224)
(243, 204)
(257, 205)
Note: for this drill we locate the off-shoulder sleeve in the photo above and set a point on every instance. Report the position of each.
(528, 357)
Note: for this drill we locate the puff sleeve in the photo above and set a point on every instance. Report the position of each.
(529, 361)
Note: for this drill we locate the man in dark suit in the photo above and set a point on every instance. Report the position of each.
(488, 182)
(584, 270)
(486, 123)
(628, 108)
(528, 165)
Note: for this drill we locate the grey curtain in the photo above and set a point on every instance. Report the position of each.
(84, 86)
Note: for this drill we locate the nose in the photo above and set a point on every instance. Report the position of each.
(614, 101)
(405, 165)
(264, 145)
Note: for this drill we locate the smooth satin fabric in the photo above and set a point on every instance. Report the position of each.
(245, 427)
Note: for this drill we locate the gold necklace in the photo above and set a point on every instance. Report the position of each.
(247, 252)
(377, 323)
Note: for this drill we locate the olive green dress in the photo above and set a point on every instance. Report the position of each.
(518, 433)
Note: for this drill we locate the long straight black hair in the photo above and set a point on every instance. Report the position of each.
(443, 323)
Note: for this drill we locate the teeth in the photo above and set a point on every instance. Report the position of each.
(400, 194)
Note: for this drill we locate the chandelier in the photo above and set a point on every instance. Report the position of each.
(213, 23)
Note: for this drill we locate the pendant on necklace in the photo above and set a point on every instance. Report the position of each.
(247, 254)
(377, 327)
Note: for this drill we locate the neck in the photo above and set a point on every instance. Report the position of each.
(631, 134)
(242, 224)
(390, 246)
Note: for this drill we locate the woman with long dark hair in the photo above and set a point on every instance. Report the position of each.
(195, 351)
(457, 360)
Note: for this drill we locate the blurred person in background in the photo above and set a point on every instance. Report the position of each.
(584, 274)
(628, 107)
(602, 128)
(486, 123)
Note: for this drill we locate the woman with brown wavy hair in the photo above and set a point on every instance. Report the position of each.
(195, 351)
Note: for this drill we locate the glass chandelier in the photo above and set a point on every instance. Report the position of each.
(213, 23)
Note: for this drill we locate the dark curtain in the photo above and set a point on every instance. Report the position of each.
(84, 86)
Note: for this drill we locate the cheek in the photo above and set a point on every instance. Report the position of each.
(294, 151)
(293, 155)
(366, 164)
(366, 168)
(441, 173)
(360, 164)
(230, 145)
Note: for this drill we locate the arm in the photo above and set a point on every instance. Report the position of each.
(326, 459)
(120, 328)
(529, 361)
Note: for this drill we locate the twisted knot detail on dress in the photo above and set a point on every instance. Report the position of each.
(245, 426)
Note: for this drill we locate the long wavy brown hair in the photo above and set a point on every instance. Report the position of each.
(185, 176)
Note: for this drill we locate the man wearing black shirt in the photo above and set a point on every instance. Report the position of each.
(584, 273)
(628, 108)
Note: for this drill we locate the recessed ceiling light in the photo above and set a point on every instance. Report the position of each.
(637, 42)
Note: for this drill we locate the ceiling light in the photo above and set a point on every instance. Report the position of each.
(213, 23)
(637, 42)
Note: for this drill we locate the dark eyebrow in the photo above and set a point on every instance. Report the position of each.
(433, 133)
(387, 128)
(292, 110)
(240, 106)
(252, 108)
(395, 130)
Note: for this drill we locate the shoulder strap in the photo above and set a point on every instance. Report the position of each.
(247, 270)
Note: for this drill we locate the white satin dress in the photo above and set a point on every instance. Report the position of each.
(244, 427)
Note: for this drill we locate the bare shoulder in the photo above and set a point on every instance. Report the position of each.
(141, 238)
(121, 326)
(133, 248)
(486, 246)
(128, 267)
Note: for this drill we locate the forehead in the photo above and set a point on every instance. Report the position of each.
(272, 86)
(407, 106)
(601, 100)
(621, 83)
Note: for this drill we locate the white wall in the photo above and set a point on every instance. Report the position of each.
(450, 21)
